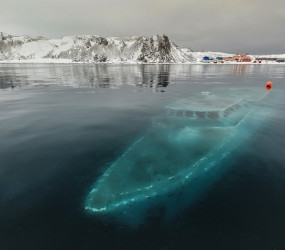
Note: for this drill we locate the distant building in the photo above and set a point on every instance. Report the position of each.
(238, 58)
(266, 59)
(207, 58)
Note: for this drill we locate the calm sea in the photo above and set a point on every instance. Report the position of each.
(62, 126)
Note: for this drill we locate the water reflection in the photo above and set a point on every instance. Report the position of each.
(54, 142)
(157, 77)
(12, 81)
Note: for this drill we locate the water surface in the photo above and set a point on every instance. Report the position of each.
(61, 126)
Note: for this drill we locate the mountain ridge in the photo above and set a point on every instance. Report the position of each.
(93, 48)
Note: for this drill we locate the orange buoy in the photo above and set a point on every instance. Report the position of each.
(268, 86)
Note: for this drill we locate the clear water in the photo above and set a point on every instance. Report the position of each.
(62, 126)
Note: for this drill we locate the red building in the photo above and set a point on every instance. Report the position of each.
(238, 58)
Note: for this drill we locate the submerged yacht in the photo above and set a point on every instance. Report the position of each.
(188, 141)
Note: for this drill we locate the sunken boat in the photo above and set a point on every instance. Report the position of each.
(186, 142)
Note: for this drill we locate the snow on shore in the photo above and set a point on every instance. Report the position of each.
(96, 49)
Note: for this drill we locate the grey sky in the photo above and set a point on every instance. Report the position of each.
(250, 26)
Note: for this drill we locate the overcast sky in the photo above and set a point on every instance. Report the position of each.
(250, 26)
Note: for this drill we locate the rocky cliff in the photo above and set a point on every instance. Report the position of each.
(90, 48)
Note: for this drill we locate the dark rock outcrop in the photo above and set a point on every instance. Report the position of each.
(155, 49)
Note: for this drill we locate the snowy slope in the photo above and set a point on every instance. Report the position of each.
(89, 48)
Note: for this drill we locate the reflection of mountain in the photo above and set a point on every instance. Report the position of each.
(156, 76)
(12, 81)
(89, 48)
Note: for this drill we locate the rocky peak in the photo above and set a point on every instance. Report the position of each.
(91, 48)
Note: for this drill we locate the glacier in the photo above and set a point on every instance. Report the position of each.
(180, 153)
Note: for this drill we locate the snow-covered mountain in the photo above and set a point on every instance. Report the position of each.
(89, 48)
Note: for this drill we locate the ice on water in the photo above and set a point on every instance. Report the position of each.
(186, 141)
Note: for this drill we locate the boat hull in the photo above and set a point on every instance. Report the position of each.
(176, 152)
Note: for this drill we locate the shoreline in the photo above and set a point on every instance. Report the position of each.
(137, 63)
